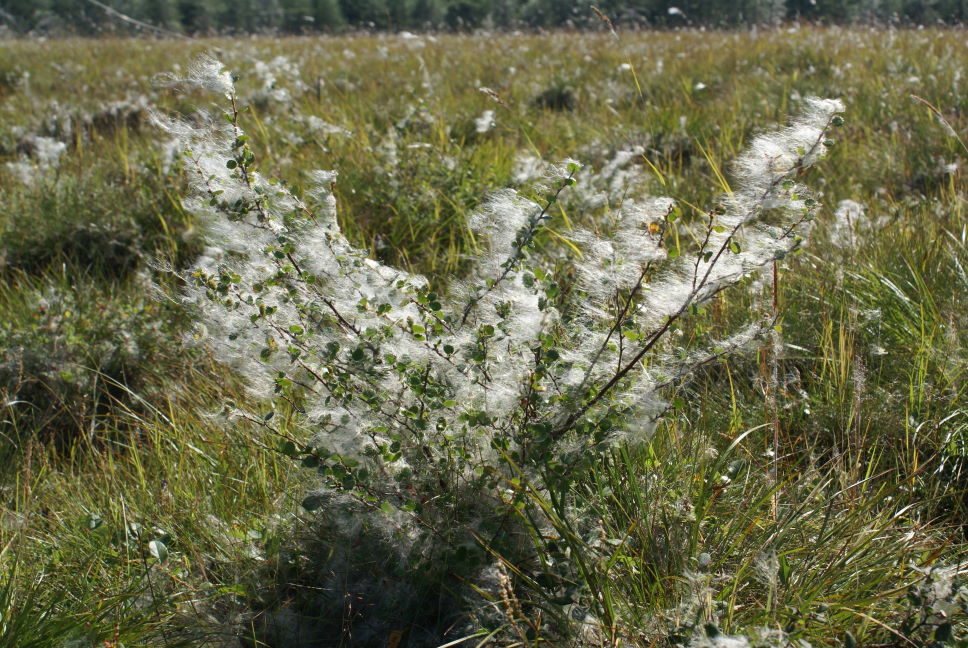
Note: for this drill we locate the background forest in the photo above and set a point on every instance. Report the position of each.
(307, 16)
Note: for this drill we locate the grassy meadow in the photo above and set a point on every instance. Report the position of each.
(826, 505)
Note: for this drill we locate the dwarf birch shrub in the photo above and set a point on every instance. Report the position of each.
(445, 415)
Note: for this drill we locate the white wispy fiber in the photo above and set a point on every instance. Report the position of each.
(293, 296)
(617, 262)
(316, 124)
(278, 79)
(722, 641)
(504, 214)
(44, 156)
(847, 221)
(770, 212)
(596, 187)
(47, 151)
(628, 274)
(427, 391)
(771, 156)
(761, 637)
(527, 167)
(205, 73)
(485, 122)
(852, 225)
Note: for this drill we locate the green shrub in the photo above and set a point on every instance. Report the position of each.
(452, 426)
(73, 355)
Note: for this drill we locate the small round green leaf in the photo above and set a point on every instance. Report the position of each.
(158, 550)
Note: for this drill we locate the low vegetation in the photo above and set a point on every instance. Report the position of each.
(806, 487)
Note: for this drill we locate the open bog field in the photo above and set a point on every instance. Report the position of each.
(576, 416)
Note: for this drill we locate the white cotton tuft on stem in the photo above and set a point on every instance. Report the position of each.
(416, 396)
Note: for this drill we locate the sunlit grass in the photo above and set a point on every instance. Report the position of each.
(871, 415)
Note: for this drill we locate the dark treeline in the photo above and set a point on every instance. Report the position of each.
(307, 16)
